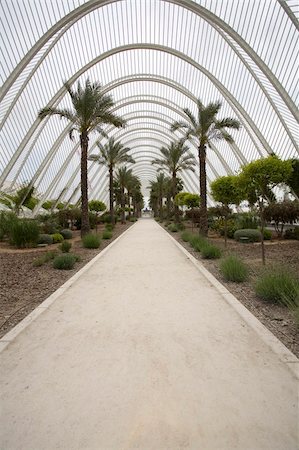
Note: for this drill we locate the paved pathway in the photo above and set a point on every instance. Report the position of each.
(143, 352)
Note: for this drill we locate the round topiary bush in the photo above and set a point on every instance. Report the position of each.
(45, 239)
(57, 237)
(91, 241)
(233, 269)
(67, 234)
(249, 234)
(64, 262)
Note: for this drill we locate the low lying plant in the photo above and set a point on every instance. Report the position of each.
(24, 233)
(277, 285)
(91, 241)
(45, 239)
(43, 259)
(186, 236)
(107, 234)
(197, 242)
(66, 234)
(210, 251)
(251, 235)
(64, 262)
(173, 228)
(233, 269)
(57, 237)
(65, 246)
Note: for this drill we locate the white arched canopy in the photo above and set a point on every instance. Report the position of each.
(155, 58)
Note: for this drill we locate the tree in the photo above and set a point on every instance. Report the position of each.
(112, 154)
(225, 191)
(255, 180)
(191, 201)
(159, 191)
(96, 206)
(175, 158)
(123, 178)
(282, 213)
(293, 180)
(91, 109)
(204, 130)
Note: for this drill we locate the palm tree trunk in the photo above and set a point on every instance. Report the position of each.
(203, 220)
(176, 208)
(85, 227)
(123, 205)
(111, 194)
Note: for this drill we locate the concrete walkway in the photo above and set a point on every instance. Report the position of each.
(142, 351)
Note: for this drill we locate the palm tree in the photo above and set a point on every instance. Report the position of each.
(133, 185)
(159, 190)
(123, 177)
(112, 154)
(175, 158)
(91, 109)
(204, 129)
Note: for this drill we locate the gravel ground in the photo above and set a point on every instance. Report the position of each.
(24, 287)
(277, 318)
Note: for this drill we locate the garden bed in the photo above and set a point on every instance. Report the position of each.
(24, 287)
(277, 318)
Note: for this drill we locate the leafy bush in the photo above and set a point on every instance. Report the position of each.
(277, 285)
(7, 220)
(252, 235)
(66, 234)
(193, 215)
(65, 246)
(24, 233)
(292, 233)
(219, 225)
(107, 234)
(57, 237)
(91, 241)
(209, 251)
(173, 228)
(180, 226)
(247, 221)
(50, 226)
(186, 236)
(233, 269)
(133, 219)
(64, 262)
(45, 239)
(46, 257)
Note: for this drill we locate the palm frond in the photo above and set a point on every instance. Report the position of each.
(190, 117)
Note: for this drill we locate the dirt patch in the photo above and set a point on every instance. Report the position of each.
(24, 287)
(277, 318)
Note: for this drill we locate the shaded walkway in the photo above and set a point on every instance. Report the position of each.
(142, 352)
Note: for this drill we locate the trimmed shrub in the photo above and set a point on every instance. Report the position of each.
(210, 251)
(46, 257)
(64, 262)
(180, 226)
(252, 235)
(91, 241)
(24, 233)
(133, 219)
(65, 246)
(66, 234)
(247, 221)
(277, 285)
(109, 227)
(50, 226)
(231, 227)
(57, 237)
(173, 228)
(107, 234)
(233, 269)
(45, 239)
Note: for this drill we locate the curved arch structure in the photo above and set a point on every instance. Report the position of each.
(152, 76)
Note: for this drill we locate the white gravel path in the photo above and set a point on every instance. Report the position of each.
(142, 352)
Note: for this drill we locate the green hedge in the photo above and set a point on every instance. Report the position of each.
(252, 235)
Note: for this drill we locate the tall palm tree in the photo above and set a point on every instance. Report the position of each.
(123, 177)
(133, 185)
(112, 154)
(91, 109)
(159, 190)
(204, 129)
(175, 158)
